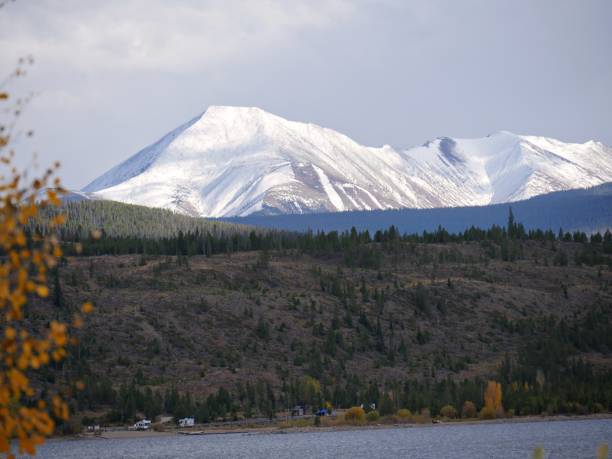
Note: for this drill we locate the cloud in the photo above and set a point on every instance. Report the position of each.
(156, 35)
(111, 76)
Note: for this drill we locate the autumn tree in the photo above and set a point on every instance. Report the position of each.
(448, 411)
(493, 401)
(28, 414)
(310, 391)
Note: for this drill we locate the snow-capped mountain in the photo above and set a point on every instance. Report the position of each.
(236, 161)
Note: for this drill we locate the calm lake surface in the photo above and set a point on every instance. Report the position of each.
(560, 439)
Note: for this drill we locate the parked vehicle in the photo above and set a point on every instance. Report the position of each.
(186, 422)
(144, 424)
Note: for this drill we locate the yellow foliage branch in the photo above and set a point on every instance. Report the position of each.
(25, 260)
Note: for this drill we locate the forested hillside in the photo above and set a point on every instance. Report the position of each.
(115, 219)
(106, 227)
(405, 321)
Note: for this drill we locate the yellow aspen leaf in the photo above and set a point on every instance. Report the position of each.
(20, 239)
(30, 286)
(35, 363)
(87, 308)
(77, 322)
(59, 219)
(602, 451)
(22, 362)
(42, 291)
(14, 257)
(53, 199)
(10, 333)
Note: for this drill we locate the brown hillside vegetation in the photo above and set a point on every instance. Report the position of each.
(433, 311)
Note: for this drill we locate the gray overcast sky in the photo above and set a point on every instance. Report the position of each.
(113, 76)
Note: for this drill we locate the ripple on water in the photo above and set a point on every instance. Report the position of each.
(573, 439)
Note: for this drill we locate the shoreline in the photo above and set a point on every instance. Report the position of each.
(279, 429)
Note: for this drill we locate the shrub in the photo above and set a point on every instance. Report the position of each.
(404, 414)
(158, 427)
(448, 411)
(487, 412)
(355, 415)
(468, 410)
(423, 417)
(597, 408)
(373, 416)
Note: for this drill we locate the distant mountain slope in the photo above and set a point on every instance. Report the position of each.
(583, 209)
(238, 161)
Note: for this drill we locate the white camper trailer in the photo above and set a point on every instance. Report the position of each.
(145, 424)
(186, 422)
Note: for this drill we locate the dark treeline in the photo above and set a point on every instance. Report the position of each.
(579, 390)
(356, 246)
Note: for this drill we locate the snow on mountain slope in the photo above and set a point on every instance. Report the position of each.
(236, 161)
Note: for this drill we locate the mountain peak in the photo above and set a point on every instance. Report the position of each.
(231, 113)
(236, 161)
(503, 133)
(234, 110)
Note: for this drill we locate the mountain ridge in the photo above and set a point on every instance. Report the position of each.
(238, 161)
(587, 210)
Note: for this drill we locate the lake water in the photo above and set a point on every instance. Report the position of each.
(560, 439)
